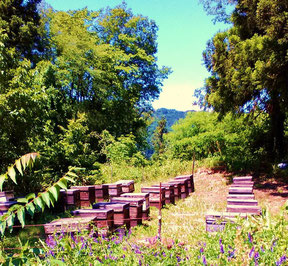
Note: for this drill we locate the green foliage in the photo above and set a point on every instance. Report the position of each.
(248, 66)
(122, 150)
(233, 141)
(33, 203)
(158, 138)
(20, 164)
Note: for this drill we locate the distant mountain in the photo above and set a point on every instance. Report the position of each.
(171, 116)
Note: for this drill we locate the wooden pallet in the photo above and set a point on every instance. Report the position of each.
(244, 209)
(244, 202)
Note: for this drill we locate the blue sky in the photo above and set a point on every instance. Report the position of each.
(184, 29)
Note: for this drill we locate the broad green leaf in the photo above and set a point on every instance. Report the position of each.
(2, 179)
(39, 203)
(46, 198)
(10, 221)
(34, 155)
(54, 191)
(62, 183)
(19, 166)
(30, 196)
(22, 200)
(21, 216)
(69, 179)
(72, 174)
(57, 262)
(30, 208)
(12, 174)
(25, 160)
(2, 227)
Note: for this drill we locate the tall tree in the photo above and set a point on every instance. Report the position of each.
(158, 137)
(248, 65)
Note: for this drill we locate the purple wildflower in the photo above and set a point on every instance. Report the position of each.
(140, 262)
(251, 252)
(51, 242)
(281, 260)
(201, 250)
(262, 249)
(204, 260)
(221, 249)
(250, 237)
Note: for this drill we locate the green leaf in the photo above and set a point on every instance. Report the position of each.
(62, 183)
(21, 216)
(69, 179)
(57, 262)
(2, 227)
(72, 174)
(39, 203)
(12, 174)
(30, 196)
(54, 191)
(10, 221)
(25, 160)
(22, 200)
(2, 179)
(46, 198)
(30, 208)
(19, 166)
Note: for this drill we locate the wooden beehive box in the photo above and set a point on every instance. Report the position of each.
(67, 225)
(121, 212)
(7, 194)
(216, 221)
(101, 193)
(105, 218)
(177, 189)
(146, 203)
(240, 190)
(155, 196)
(126, 185)
(245, 202)
(71, 197)
(87, 195)
(184, 186)
(190, 182)
(240, 179)
(136, 206)
(244, 209)
(241, 196)
(169, 192)
(114, 190)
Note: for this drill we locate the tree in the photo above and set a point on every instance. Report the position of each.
(248, 65)
(158, 137)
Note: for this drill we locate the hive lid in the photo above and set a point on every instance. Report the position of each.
(115, 206)
(132, 201)
(83, 188)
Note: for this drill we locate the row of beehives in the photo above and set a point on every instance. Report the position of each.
(240, 203)
(125, 209)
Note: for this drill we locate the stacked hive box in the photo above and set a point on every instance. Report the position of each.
(240, 202)
(87, 195)
(101, 193)
(70, 225)
(127, 186)
(70, 198)
(245, 203)
(104, 218)
(183, 185)
(121, 212)
(169, 192)
(114, 190)
(135, 210)
(190, 181)
(146, 203)
(156, 196)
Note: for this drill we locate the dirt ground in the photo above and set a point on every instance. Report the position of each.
(270, 194)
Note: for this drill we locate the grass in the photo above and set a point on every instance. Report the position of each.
(184, 239)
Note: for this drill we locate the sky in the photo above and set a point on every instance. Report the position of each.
(184, 29)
